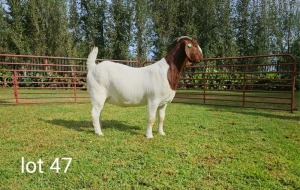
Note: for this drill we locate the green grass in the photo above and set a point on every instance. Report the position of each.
(205, 148)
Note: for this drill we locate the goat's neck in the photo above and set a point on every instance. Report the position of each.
(177, 61)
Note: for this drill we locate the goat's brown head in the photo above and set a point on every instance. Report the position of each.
(192, 49)
(185, 51)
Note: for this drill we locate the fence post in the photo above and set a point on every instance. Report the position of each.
(75, 84)
(45, 73)
(204, 88)
(46, 64)
(293, 85)
(244, 88)
(15, 82)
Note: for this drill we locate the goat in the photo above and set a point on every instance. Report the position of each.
(153, 85)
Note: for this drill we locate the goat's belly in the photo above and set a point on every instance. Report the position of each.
(126, 102)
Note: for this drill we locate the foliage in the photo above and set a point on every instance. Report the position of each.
(119, 28)
(143, 30)
(35, 27)
(131, 29)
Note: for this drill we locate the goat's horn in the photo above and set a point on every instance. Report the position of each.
(182, 37)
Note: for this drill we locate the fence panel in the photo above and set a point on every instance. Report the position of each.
(266, 81)
(44, 79)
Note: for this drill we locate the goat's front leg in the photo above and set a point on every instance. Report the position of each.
(152, 107)
(161, 118)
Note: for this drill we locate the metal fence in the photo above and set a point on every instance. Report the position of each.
(44, 79)
(266, 81)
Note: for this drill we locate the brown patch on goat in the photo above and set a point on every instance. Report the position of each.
(180, 57)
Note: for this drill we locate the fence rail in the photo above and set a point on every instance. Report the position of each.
(265, 81)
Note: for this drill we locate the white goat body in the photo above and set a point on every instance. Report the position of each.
(127, 86)
(153, 85)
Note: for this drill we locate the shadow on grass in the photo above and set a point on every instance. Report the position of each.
(83, 125)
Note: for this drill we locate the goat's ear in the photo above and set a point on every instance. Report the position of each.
(189, 50)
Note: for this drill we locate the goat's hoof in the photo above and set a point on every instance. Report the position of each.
(162, 133)
(99, 133)
(149, 136)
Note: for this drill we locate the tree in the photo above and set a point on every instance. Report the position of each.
(135, 29)
(164, 20)
(119, 28)
(242, 24)
(207, 25)
(74, 27)
(3, 31)
(37, 27)
(260, 28)
(225, 33)
(16, 31)
(143, 29)
(88, 24)
(46, 27)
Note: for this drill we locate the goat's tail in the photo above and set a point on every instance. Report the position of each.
(91, 61)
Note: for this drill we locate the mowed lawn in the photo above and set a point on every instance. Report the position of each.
(205, 148)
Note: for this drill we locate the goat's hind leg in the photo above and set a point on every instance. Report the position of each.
(96, 115)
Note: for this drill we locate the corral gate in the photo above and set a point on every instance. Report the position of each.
(265, 81)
